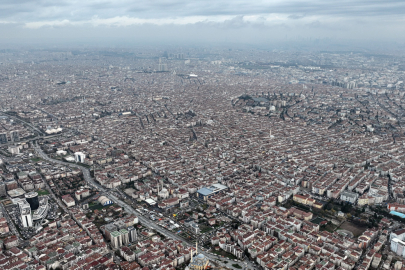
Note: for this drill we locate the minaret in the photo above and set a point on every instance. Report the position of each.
(191, 255)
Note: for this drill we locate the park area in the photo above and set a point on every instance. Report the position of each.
(42, 192)
(353, 228)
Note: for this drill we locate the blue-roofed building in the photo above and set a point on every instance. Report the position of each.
(207, 192)
(395, 213)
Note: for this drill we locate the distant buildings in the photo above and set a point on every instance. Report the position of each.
(335, 131)
(162, 66)
(3, 191)
(3, 138)
(15, 136)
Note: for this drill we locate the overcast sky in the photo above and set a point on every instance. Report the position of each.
(181, 21)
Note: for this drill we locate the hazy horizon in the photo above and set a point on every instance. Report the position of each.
(341, 24)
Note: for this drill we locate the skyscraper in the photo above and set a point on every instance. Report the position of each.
(32, 199)
(116, 240)
(15, 136)
(132, 234)
(3, 138)
(162, 66)
(25, 213)
(124, 236)
(2, 188)
(79, 157)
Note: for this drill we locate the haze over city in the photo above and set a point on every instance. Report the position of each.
(348, 24)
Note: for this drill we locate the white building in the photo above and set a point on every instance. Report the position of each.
(349, 196)
(164, 193)
(61, 152)
(397, 242)
(400, 234)
(79, 157)
(25, 211)
(68, 200)
(398, 247)
(82, 193)
(14, 150)
(116, 240)
(103, 200)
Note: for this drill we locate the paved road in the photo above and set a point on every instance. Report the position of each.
(129, 209)
(31, 139)
(28, 124)
(86, 172)
(165, 232)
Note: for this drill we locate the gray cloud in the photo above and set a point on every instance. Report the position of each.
(237, 20)
(29, 10)
(295, 16)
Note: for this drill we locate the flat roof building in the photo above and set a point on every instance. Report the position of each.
(349, 196)
(207, 192)
(16, 192)
(150, 201)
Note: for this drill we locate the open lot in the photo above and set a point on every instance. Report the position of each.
(317, 220)
(43, 192)
(329, 227)
(98, 206)
(36, 159)
(205, 229)
(222, 252)
(355, 229)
